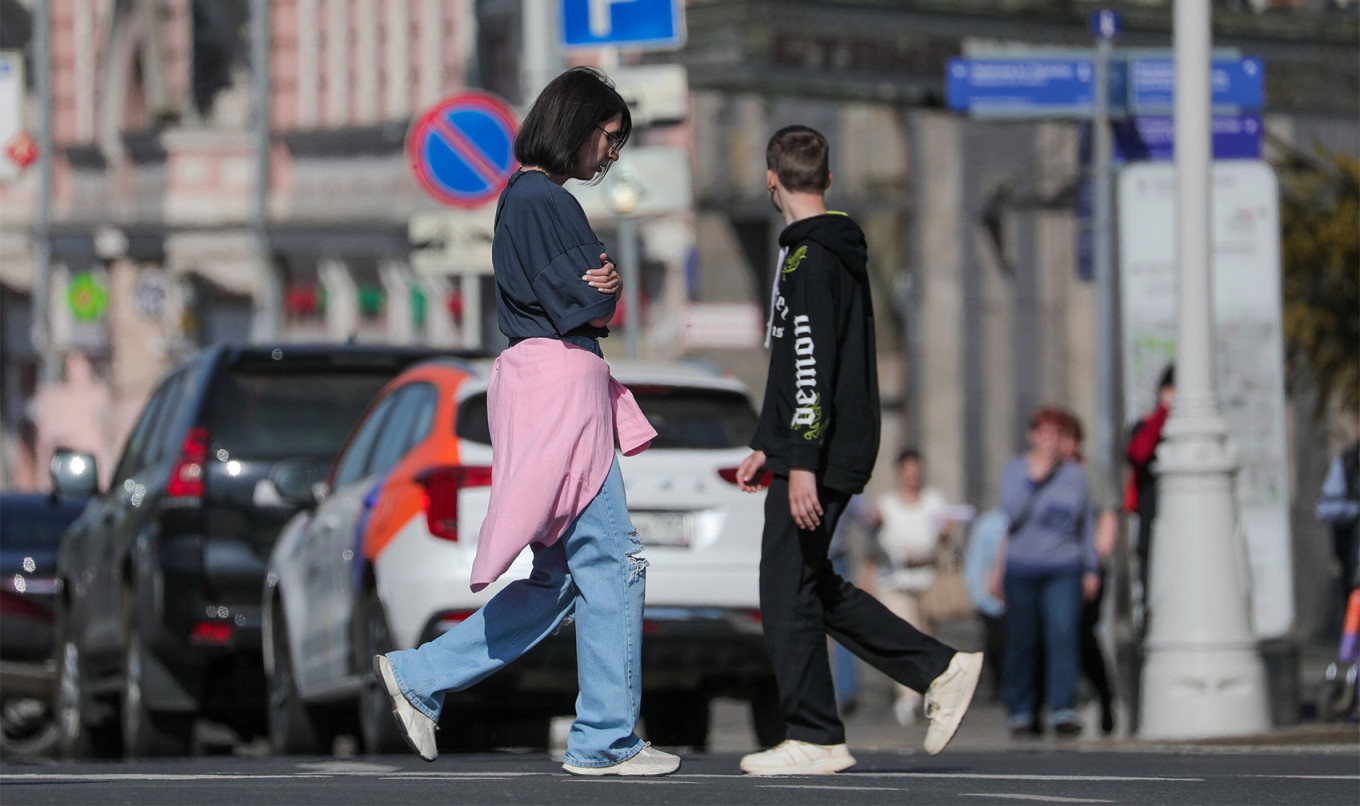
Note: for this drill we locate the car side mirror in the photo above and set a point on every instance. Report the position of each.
(296, 481)
(74, 473)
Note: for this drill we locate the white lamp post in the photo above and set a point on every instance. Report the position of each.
(1203, 675)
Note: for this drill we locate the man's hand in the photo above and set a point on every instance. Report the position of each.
(803, 503)
(1090, 586)
(748, 474)
(605, 279)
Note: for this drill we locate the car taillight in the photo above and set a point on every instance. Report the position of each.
(442, 485)
(211, 632)
(186, 477)
(450, 620)
(729, 475)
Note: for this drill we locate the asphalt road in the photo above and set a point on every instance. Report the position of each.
(1308, 775)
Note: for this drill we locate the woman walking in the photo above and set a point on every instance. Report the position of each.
(556, 487)
(912, 526)
(1048, 565)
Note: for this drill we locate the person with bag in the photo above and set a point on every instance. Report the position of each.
(556, 487)
(911, 535)
(1046, 568)
(818, 436)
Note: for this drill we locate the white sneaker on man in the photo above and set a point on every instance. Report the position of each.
(948, 697)
(792, 757)
(416, 727)
(647, 761)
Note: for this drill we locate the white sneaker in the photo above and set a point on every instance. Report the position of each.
(792, 757)
(948, 697)
(647, 761)
(416, 727)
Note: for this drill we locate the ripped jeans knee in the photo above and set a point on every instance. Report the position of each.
(637, 564)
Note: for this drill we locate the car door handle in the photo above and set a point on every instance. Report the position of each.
(328, 524)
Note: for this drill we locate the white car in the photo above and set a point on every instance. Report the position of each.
(383, 562)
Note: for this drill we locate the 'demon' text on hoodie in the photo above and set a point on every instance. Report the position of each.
(821, 410)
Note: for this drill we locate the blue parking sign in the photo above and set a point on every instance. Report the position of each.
(630, 23)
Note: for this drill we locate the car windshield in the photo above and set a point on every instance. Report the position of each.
(683, 416)
(281, 413)
(24, 527)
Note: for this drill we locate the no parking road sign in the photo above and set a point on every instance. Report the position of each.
(462, 150)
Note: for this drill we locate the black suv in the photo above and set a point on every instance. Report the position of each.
(158, 622)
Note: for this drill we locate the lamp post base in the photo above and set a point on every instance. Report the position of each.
(1196, 692)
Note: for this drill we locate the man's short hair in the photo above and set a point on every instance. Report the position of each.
(800, 157)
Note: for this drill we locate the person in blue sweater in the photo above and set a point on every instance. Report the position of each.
(1046, 568)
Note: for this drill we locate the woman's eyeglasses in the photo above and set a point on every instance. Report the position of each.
(615, 140)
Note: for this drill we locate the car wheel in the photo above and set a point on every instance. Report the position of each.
(27, 727)
(676, 718)
(294, 728)
(767, 720)
(147, 732)
(77, 738)
(377, 727)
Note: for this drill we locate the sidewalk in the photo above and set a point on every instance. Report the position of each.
(872, 726)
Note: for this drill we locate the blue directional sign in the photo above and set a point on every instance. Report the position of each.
(1106, 23)
(1237, 83)
(1063, 87)
(1037, 87)
(1056, 86)
(462, 150)
(631, 23)
(1153, 137)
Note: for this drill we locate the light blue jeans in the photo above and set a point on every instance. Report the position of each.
(594, 572)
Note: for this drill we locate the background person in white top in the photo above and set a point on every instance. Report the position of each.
(912, 523)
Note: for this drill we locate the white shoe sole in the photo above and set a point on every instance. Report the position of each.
(973, 664)
(621, 769)
(389, 684)
(825, 766)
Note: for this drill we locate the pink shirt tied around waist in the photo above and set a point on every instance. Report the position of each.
(556, 415)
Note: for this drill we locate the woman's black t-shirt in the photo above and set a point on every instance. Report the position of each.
(543, 244)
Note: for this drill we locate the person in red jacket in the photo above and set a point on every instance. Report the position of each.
(1141, 496)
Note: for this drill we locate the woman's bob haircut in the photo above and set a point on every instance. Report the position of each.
(565, 114)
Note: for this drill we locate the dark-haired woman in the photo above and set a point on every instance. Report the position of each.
(555, 416)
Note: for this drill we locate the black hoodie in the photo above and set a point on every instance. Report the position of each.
(821, 409)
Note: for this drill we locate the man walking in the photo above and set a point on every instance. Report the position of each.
(818, 434)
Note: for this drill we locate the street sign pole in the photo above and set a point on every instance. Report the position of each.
(1105, 23)
(1109, 411)
(1203, 676)
(540, 22)
(268, 318)
(48, 369)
